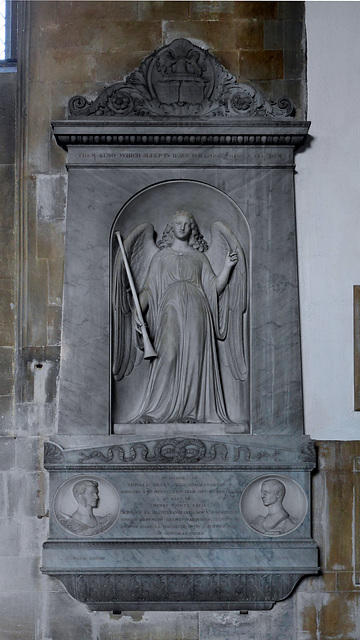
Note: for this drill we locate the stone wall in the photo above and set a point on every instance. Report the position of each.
(7, 243)
(33, 606)
(69, 48)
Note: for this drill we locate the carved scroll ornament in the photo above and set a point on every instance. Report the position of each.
(181, 451)
(181, 79)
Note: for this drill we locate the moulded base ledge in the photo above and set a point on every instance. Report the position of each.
(242, 607)
(180, 592)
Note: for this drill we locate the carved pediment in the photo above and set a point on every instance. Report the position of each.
(179, 80)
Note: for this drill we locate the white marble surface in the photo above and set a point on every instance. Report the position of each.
(265, 195)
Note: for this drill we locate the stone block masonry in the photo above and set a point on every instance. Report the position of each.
(36, 607)
(7, 249)
(254, 40)
(75, 47)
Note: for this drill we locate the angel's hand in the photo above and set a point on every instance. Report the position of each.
(138, 325)
(231, 259)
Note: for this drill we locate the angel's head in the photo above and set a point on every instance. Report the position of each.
(183, 227)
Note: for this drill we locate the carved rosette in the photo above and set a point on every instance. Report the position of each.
(179, 80)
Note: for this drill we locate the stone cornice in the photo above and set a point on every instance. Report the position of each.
(217, 133)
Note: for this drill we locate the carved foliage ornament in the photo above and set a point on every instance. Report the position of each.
(176, 451)
(181, 79)
(52, 453)
(161, 587)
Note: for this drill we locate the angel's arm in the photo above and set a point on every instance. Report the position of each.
(223, 278)
(139, 247)
(144, 300)
(232, 328)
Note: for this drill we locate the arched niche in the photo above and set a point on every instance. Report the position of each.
(157, 204)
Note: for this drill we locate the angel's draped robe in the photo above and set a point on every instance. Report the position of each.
(184, 318)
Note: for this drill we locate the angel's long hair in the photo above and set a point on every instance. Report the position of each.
(196, 239)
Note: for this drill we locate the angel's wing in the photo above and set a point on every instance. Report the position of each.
(139, 248)
(223, 240)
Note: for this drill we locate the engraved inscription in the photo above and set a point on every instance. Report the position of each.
(140, 155)
(184, 156)
(180, 505)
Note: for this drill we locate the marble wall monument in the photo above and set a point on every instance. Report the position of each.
(180, 475)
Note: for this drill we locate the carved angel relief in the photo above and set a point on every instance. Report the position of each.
(188, 309)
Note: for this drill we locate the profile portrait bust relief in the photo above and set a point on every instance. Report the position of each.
(83, 521)
(277, 521)
(188, 309)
